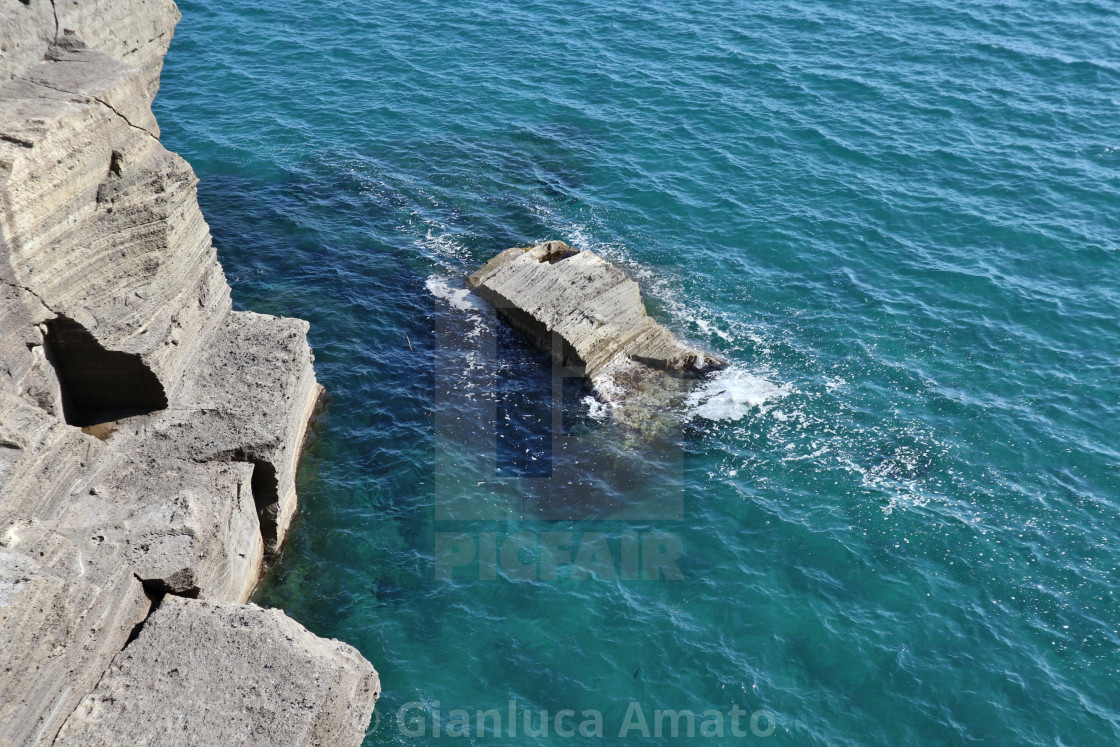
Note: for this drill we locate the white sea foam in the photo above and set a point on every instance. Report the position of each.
(609, 394)
(458, 298)
(733, 393)
(443, 246)
(463, 341)
(597, 410)
(709, 329)
(826, 440)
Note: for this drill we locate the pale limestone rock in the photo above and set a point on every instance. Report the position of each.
(26, 30)
(181, 525)
(266, 680)
(589, 315)
(262, 421)
(101, 222)
(24, 368)
(65, 611)
(135, 31)
(149, 435)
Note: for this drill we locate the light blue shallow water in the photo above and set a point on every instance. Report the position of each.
(900, 222)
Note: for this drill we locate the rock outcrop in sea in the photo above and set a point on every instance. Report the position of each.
(590, 316)
(149, 434)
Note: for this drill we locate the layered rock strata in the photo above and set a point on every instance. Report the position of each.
(300, 690)
(149, 434)
(590, 316)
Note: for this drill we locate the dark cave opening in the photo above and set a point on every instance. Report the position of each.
(266, 495)
(99, 385)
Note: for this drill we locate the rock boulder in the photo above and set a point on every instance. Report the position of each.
(589, 315)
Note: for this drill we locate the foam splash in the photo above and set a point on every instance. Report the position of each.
(443, 246)
(466, 327)
(608, 392)
(597, 410)
(709, 329)
(733, 393)
(458, 298)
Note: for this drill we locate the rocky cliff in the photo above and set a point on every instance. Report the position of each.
(149, 434)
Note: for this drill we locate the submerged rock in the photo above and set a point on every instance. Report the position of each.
(590, 316)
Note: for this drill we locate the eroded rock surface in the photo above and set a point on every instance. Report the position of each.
(267, 681)
(149, 434)
(591, 317)
(65, 611)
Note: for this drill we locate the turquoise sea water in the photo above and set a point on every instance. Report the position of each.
(898, 509)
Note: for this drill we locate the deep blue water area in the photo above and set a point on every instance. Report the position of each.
(897, 510)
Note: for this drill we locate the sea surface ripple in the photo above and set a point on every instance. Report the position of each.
(900, 222)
